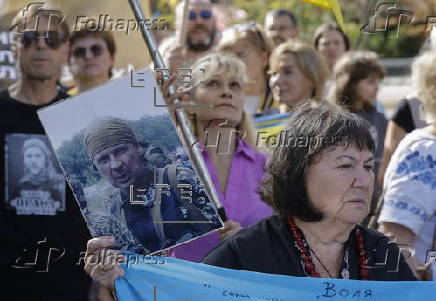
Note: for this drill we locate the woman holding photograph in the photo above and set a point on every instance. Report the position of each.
(227, 143)
(235, 166)
(321, 193)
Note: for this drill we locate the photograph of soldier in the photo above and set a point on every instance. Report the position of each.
(36, 186)
(150, 201)
(119, 158)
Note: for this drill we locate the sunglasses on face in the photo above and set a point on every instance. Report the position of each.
(52, 38)
(204, 14)
(81, 52)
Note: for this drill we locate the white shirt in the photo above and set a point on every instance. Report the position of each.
(410, 190)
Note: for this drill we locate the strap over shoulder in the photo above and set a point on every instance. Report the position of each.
(194, 214)
(156, 208)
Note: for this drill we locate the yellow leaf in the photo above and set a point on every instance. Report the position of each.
(321, 3)
(330, 5)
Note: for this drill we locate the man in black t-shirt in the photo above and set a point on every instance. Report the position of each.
(42, 233)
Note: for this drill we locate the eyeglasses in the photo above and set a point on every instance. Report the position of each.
(52, 38)
(81, 52)
(204, 14)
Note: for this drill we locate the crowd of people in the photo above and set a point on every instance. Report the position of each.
(299, 209)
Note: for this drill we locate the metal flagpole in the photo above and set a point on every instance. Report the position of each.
(182, 118)
(182, 36)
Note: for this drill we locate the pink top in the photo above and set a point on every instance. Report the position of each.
(240, 200)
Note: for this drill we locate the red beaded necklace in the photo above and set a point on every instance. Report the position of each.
(306, 258)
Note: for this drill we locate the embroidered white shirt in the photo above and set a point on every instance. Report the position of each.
(410, 190)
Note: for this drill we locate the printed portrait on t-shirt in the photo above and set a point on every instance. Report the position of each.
(34, 182)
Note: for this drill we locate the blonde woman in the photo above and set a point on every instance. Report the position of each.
(297, 73)
(235, 166)
(409, 208)
(250, 43)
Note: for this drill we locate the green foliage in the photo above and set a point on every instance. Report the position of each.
(75, 161)
(156, 130)
(403, 45)
(166, 11)
(311, 16)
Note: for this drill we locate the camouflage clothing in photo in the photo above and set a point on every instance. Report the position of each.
(177, 198)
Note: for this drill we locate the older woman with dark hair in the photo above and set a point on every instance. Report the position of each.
(320, 181)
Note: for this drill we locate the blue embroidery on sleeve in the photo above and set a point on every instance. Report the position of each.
(422, 167)
(401, 205)
(416, 167)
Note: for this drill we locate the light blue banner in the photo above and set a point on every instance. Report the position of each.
(169, 279)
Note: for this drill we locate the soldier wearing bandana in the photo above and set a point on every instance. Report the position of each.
(149, 203)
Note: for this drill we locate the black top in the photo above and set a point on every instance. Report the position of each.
(377, 129)
(403, 116)
(268, 247)
(37, 214)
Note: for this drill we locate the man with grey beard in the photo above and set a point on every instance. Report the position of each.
(200, 35)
